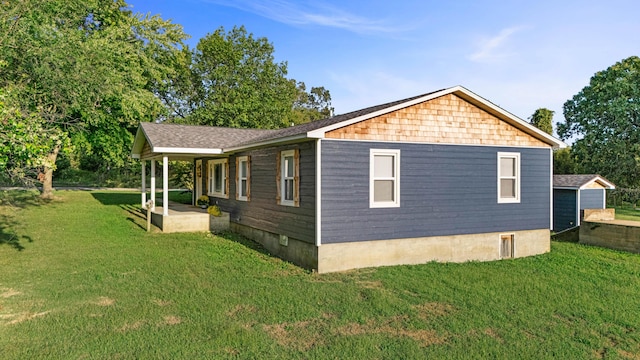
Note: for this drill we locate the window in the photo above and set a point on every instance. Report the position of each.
(242, 178)
(288, 178)
(217, 177)
(506, 246)
(508, 177)
(384, 177)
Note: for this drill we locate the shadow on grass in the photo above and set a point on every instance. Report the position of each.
(10, 202)
(246, 242)
(8, 236)
(116, 198)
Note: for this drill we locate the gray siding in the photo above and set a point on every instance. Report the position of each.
(444, 190)
(592, 199)
(564, 209)
(262, 211)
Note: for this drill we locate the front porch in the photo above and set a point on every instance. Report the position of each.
(187, 218)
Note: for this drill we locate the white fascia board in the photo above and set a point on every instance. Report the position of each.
(566, 188)
(267, 142)
(138, 143)
(599, 180)
(195, 151)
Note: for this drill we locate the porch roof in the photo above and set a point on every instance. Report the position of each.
(187, 141)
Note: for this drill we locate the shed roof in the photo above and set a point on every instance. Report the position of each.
(580, 181)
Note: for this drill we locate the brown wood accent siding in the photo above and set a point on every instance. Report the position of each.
(447, 119)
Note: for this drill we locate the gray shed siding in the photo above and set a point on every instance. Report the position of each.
(592, 199)
(262, 210)
(444, 190)
(564, 209)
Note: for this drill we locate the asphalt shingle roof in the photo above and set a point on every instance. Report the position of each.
(198, 137)
(318, 124)
(574, 181)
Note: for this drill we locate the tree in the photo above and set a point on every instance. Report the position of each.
(606, 115)
(238, 82)
(312, 105)
(564, 162)
(542, 118)
(84, 66)
(231, 79)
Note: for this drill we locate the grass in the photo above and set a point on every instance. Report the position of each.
(81, 279)
(627, 213)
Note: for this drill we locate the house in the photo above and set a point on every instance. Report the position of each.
(572, 194)
(443, 176)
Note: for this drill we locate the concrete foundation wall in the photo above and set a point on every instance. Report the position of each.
(458, 248)
(613, 236)
(298, 252)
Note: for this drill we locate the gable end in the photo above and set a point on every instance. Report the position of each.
(448, 119)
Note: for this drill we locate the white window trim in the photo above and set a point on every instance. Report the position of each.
(517, 177)
(396, 178)
(211, 185)
(283, 172)
(240, 177)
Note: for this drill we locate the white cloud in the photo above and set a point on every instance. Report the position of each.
(493, 48)
(317, 13)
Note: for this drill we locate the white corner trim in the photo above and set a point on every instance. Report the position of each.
(318, 192)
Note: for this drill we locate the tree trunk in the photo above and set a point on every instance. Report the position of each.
(47, 176)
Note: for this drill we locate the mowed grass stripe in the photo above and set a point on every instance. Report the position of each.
(91, 283)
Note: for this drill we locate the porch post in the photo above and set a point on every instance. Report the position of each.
(144, 184)
(165, 185)
(153, 184)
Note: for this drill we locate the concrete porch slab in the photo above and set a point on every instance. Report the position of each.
(181, 218)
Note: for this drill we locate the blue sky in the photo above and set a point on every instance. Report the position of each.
(521, 55)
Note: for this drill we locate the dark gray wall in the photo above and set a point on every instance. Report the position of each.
(592, 199)
(262, 211)
(445, 190)
(564, 209)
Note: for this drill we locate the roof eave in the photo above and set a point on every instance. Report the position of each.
(286, 139)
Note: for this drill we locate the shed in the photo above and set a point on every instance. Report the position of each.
(572, 194)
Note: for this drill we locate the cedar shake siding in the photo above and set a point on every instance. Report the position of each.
(262, 211)
(444, 190)
(564, 209)
(592, 199)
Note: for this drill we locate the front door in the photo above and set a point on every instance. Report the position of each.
(198, 185)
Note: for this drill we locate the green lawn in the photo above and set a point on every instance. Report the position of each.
(627, 213)
(90, 283)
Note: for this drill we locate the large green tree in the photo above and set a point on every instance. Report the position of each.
(605, 118)
(542, 118)
(86, 67)
(232, 79)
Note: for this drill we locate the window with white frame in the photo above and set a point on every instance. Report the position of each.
(508, 177)
(384, 177)
(288, 168)
(217, 177)
(242, 178)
